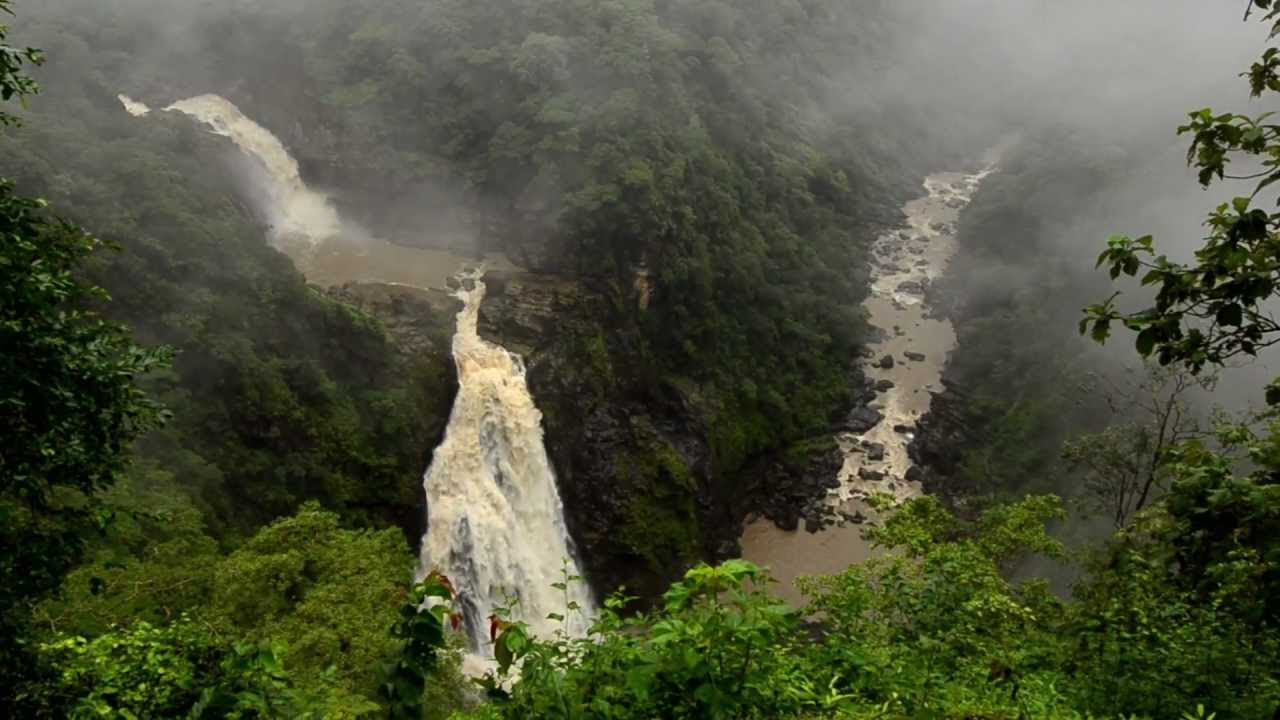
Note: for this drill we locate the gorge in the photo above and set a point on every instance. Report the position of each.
(480, 361)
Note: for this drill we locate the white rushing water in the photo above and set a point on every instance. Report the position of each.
(298, 213)
(495, 522)
(133, 107)
(329, 249)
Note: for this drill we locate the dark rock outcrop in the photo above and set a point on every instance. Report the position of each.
(787, 487)
(862, 419)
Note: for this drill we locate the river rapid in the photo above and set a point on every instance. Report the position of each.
(905, 363)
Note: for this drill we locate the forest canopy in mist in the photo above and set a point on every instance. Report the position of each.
(212, 492)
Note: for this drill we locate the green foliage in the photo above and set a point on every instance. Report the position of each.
(1183, 598)
(328, 601)
(421, 627)
(1019, 382)
(624, 140)
(14, 82)
(682, 144)
(181, 670)
(69, 403)
(930, 628)
(323, 595)
(719, 646)
(280, 394)
(1211, 310)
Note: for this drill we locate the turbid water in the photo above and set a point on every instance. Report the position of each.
(905, 261)
(495, 519)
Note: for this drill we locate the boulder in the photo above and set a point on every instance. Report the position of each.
(863, 419)
(915, 287)
(886, 362)
(903, 429)
(914, 356)
(884, 386)
(870, 475)
(875, 451)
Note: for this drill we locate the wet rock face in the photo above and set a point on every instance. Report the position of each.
(938, 446)
(789, 487)
(520, 309)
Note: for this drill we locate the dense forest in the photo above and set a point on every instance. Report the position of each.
(700, 159)
(210, 481)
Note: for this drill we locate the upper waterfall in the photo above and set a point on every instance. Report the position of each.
(495, 520)
(133, 107)
(298, 214)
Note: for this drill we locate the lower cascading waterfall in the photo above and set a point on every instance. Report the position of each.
(495, 521)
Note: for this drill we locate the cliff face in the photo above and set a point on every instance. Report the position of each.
(628, 465)
(634, 460)
(420, 324)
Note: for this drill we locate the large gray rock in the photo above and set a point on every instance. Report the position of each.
(863, 419)
(870, 475)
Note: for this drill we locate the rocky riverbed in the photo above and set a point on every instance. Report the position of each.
(903, 370)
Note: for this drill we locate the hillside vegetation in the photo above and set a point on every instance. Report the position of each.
(209, 467)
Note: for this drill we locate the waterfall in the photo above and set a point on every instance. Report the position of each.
(495, 520)
(133, 107)
(299, 216)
